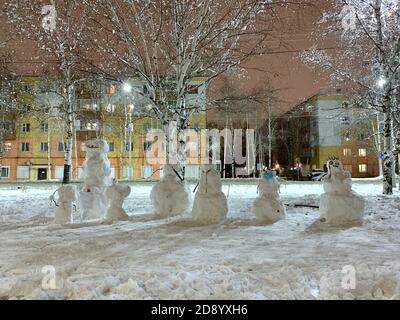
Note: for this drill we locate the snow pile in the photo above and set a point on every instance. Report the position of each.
(67, 195)
(116, 194)
(267, 206)
(170, 196)
(210, 204)
(340, 205)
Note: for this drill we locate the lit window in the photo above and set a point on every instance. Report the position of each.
(362, 168)
(110, 108)
(362, 152)
(347, 152)
(110, 89)
(91, 125)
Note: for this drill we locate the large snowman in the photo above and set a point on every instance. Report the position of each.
(93, 201)
(170, 196)
(267, 206)
(100, 197)
(339, 204)
(210, 205)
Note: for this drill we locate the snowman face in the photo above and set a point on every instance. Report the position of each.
(96, 146)
(334, 165)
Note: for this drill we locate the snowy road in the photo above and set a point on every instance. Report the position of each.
(145, 258)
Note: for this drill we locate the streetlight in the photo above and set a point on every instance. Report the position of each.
(127, 87)
(381, 82)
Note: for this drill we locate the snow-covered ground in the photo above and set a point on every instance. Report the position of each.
(145, 258)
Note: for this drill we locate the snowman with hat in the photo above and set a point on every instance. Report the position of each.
(267, 206)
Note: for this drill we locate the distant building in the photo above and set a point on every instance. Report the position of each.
(326, 126)
(34, 142)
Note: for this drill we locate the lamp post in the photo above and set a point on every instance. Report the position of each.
(127, 88)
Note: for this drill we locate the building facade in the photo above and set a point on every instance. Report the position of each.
(324, 126)
(34, 147)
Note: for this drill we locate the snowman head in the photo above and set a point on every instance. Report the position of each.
(334, 165)
(169, 171)
(95, 147)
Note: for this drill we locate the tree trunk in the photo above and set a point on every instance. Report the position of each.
(387, 159)
(48, 151)
(69, 135)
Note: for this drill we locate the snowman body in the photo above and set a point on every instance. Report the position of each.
(267, 206)
(210, 205)
(339, 204)
(67, 195)
(116, 194)
(170, 196)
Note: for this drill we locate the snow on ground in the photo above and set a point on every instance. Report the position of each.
(146, 258)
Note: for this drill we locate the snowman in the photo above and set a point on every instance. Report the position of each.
(116, 194)
(210, 205)
(339, 204)
(267, 206)
(67, 195)
(171, 195)
(96, 178)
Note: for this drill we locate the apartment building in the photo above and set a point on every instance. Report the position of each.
(324, 126)
(34, 143)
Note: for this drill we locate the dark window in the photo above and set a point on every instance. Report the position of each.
(24, 146)
(127, 147)
(44, 127)
(26, 127)
(111, 146)
(44, 147)
(61, 146)
(4, 172)
(146, 127)
(146, 145)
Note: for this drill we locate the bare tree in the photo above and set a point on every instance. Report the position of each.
(8, 85)
(368, 58)
(59, 30)
(166, 44)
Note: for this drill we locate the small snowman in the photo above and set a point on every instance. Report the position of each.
(67, 195)
(210, 205)
(267, 206)
(116, 194)
(340, 205)
(171, 195)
